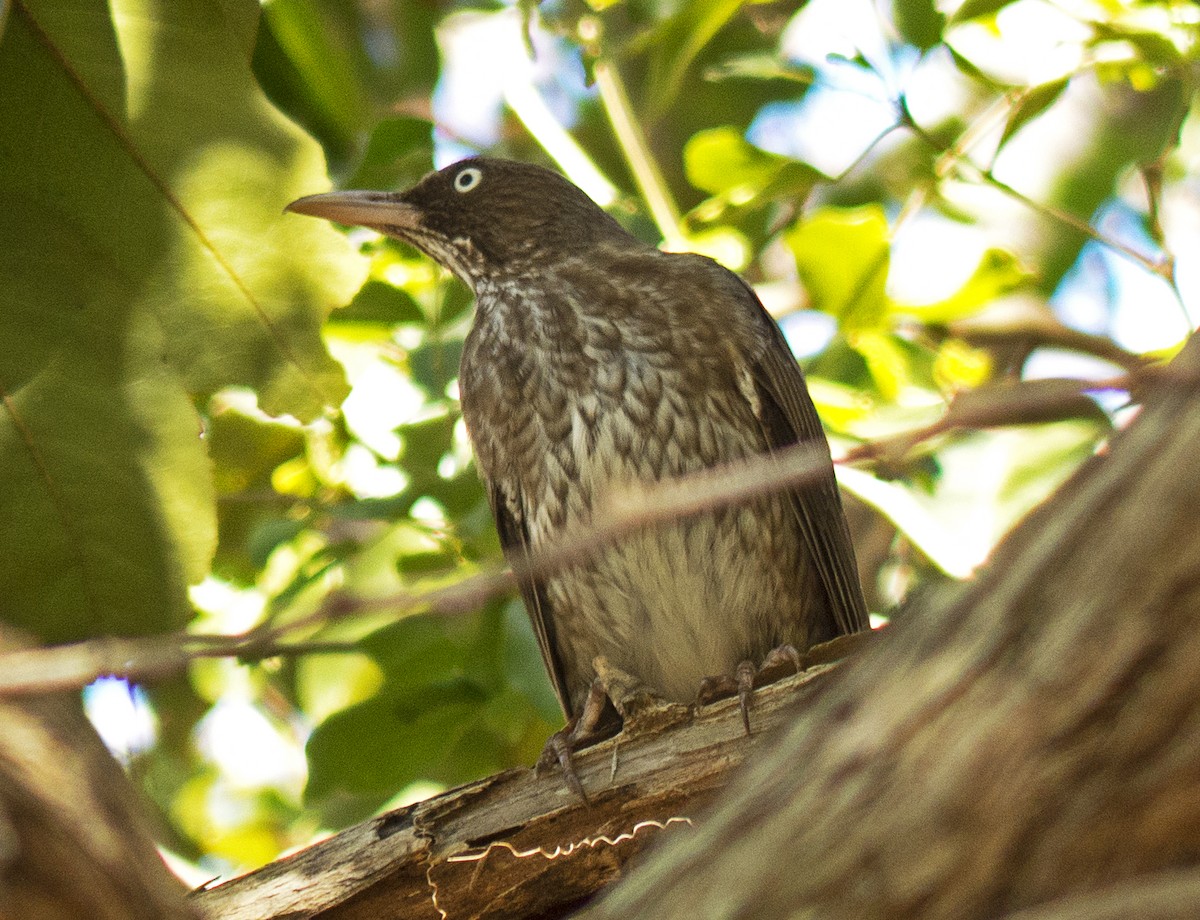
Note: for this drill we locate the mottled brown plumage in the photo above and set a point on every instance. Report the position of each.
(596, 360)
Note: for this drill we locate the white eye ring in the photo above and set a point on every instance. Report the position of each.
(468, 179)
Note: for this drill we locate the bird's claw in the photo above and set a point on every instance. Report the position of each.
(628, 695)
(559, 749)
(747, 676)
(780, 661)
(589, 726)
(715, 688)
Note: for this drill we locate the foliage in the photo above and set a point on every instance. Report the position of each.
(196, 390)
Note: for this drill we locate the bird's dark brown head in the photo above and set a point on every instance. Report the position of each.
(482, 217)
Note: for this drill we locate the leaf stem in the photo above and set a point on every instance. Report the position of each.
(641, 161)
(954, 157)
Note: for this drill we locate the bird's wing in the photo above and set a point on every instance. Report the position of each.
(788, 416)
(508, 508)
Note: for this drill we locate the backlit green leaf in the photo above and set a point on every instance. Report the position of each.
(144, 263)
(842, 255)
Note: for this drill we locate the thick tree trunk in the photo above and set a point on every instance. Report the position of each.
(1030, 740)
(73, 842)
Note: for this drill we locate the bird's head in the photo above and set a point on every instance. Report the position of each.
(481, 218)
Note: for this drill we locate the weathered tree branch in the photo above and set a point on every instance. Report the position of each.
(518, 844)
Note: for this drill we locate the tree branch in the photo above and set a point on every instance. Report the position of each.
(517, 844)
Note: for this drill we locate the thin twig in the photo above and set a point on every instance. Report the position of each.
(641, 161)
(952, 157)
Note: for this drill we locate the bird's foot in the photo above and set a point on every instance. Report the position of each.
(580, 731)
(613, 697)
(616, 700)
(780, 662)
(628, 695)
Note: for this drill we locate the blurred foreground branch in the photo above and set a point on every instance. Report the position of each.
(73, 841)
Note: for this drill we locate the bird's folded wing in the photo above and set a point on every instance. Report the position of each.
(508, 507)
(788, 416)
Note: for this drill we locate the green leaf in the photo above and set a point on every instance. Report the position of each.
(336, 66)
(399, 152)
(1154, 48)
(328, 683)
(524, 666)
(246, 451)
(144, 262)
(959, 366)
(1047, 455)
(919, 22)
(421, 649)
(887, 360)
(989, 480)
(372, 750)
(675, 44)
(305, 69)
(1030, 104)
(839, 405)
(443, 714)
(1130, 128)
(760, 65)
(380, 303)
(720, 161)
(434, 365)
(998, 273)
(842, 255)
(968, 69)
(106, 502)
(425, 442)
(975, 9)
(197, 171)
(433, 563)
(738, 175)
(459, 495)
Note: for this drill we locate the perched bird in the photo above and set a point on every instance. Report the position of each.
(595, 360)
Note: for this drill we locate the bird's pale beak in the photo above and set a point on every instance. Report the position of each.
(377, 210)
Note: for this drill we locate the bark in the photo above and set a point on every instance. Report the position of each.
(1029, 741)
(72, 838)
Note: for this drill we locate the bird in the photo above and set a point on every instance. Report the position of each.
(597, 361)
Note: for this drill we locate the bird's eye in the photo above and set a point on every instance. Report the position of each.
(467, 179)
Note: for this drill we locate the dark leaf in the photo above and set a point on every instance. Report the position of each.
(974, 9)
(919, 22)
(1030, 104)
